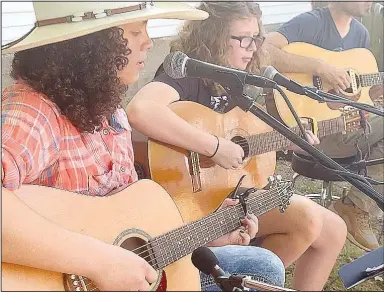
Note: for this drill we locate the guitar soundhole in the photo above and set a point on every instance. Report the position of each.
(243, 143)
(138, 246)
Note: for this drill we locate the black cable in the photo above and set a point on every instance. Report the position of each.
(289, 104)
(351, 174)
(338, 172)
(247, 104)
(236, 88)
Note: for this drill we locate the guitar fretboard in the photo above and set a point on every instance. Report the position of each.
(274, 141)
(367, 80)
(172, 246)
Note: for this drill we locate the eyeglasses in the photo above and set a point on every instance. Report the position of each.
(246, 41)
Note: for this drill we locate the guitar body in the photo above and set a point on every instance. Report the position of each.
(133, 215)
(171, 166)
(360, 60)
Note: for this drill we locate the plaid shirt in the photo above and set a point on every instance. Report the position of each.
(41, 146)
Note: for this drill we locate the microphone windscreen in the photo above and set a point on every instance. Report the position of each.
(269, 72)
(174, 64)
(204, 260)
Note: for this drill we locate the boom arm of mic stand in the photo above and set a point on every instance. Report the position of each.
(245, 282)
(322, 96)
(247, 104)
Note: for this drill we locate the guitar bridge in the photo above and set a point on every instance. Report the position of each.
(317, 82)
(194, 171)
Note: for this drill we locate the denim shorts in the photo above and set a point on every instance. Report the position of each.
(259, 263)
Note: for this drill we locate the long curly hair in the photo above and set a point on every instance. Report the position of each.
(79, 75)
(208, 40)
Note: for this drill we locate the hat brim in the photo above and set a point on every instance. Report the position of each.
(49, 34)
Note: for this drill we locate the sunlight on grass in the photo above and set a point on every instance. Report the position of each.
(349, 253)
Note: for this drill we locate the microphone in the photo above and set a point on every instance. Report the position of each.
(178, 65)
(206, 261)
(271, 73)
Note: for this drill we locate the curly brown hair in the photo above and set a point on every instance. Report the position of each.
(79, 75)
(208, 40)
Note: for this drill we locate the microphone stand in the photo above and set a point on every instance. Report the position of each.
(322, 96)
(226, 285)
(235, 87)
(246, 283)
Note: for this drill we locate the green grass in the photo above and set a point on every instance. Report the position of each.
(349, 253)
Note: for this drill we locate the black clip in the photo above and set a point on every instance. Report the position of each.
(242, 196)
(234, 194)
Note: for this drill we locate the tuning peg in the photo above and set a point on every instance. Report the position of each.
(271, 179)
(279, 177)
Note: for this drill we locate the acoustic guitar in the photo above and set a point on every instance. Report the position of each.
(196, 184)
(360, 65)
(142, 218)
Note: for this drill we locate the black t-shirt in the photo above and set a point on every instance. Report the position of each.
(317, 27)
(194, 89)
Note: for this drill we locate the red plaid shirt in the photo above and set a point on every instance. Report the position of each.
(40, 146)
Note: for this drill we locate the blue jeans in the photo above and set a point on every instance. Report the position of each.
(262, 264)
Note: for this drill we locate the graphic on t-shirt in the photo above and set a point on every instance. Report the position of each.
(219, 103)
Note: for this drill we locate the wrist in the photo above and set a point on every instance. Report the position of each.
(213, 153)
(94, 258)
(318, 68)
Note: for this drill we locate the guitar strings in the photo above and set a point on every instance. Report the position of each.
(273, 200)
(272, 192)
(261, 138)
(252, 203)
(164, 259)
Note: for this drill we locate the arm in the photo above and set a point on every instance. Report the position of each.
(31, 240)
(287, 62)
(303, 28)
(29, 132)
(290, 63)
(148, 112)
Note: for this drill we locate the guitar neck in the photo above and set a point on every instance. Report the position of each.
(174, 245)
(371, 79)
(274, 141)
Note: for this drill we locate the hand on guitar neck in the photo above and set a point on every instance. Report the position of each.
(241, 236)
(311, 139)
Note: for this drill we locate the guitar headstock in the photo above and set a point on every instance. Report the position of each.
(284, 187)
(353, 118)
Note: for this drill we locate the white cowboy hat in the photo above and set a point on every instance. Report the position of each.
(59, 21)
